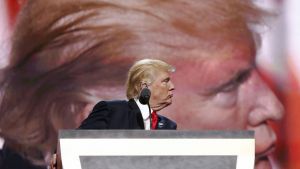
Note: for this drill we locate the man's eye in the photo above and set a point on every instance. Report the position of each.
(230, 87)
(243, 77)
(166, 80)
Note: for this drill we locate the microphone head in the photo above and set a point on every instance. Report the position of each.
(145, 96)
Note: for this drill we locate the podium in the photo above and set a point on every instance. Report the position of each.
(140, 149)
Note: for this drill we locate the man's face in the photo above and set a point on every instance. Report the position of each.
(161, 91)
(225, 92)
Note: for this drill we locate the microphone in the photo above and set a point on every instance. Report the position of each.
(144, 99)
(145, 96)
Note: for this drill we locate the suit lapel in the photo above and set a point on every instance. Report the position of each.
(135, 109)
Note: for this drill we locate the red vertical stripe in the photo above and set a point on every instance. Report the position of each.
(293, 126)
(292, 119)
(294, 83)
(13, 7)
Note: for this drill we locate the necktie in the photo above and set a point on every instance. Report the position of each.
(154, 119)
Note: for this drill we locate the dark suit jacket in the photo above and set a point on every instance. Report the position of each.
(121, 114)
(9, 159)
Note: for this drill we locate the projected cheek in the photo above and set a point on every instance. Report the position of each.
(226, 99)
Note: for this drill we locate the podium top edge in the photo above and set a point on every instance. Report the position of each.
(239, 134)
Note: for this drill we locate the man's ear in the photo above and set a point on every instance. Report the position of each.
(143, 85)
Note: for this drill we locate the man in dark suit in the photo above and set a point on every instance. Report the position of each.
(120, 114)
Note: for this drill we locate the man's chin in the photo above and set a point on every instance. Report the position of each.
(168, 103)
(263, 164)
(161, 106)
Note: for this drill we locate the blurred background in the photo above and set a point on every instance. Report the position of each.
(278, 60)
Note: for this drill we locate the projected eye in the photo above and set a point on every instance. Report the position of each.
(234, 83)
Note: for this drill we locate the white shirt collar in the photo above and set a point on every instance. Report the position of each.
(145, 113)
(144, 109)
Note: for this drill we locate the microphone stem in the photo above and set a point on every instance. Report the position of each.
(150, 116)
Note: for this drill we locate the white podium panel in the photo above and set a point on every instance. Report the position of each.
(139, 149)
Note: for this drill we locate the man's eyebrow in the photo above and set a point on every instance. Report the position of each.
(238, 78)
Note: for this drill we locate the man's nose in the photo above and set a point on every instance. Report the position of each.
(171, 86)
(266, 105)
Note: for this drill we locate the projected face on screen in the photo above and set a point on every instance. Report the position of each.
(80, 54)
(225, 91)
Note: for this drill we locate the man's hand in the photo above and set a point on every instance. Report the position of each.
(56, 162)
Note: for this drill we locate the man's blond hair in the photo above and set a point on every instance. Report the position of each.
(144, 72)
